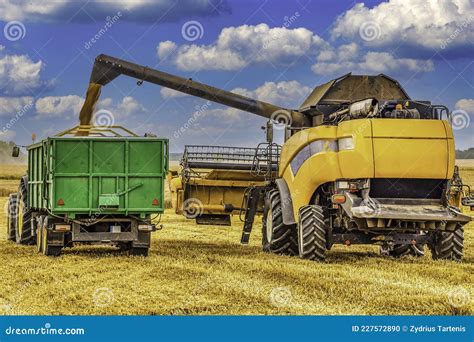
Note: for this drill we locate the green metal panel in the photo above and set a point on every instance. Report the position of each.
(95, 175)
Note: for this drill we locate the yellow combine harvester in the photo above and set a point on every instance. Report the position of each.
(363, 163)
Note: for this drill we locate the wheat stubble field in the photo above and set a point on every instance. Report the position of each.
(202, 270)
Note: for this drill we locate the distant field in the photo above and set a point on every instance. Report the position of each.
(204, 270)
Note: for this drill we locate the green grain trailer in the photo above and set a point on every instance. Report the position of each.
(100, 188)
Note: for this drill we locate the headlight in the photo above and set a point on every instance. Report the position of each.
(346, 144)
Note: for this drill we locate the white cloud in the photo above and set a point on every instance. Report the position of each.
(371, 63)
(7, 135)
(466, 105)
(57, 106)
(237, 47)
(428, 24)
(129, 106)
(287, 94)
(165, 48)
(9, 106)
(168, 93)
(20, 74)
(70, 105)
(136, 10)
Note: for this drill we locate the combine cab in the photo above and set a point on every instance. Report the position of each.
(211, 184)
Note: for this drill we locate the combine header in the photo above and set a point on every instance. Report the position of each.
(363, 163)
(212, 182)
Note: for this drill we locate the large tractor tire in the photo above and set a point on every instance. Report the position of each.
(277, 237)
(23, 233)
(399, 251)
(11, 217)
(312, 233)
(448, 245)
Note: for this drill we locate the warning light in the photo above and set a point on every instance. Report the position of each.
(60, 201)
(155, 202)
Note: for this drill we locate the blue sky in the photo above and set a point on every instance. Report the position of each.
(276, 51)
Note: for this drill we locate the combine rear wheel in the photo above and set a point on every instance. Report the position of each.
(277, 237)
(448, 245)
(23, 215)
(11, 217)
(312, 233)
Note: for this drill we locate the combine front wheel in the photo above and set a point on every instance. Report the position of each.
(448, 245)
(277, 237)
(312, 233)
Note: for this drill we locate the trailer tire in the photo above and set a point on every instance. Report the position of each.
(276, 236)
(11, 217)
(312, 233)
(400, 250)
(448, 245)
(23, 233)
(138, 251)
(47, 248)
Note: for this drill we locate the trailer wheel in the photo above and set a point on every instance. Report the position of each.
(47, 248)
(23, 215)
(399, 251)
(11, 217)
(312, 233)
(448, 245)
(138, 251)
(277, 237)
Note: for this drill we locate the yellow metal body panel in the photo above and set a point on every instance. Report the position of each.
(382, 148)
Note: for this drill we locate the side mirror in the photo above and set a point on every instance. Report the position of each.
(15, 151)
(269, 131)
